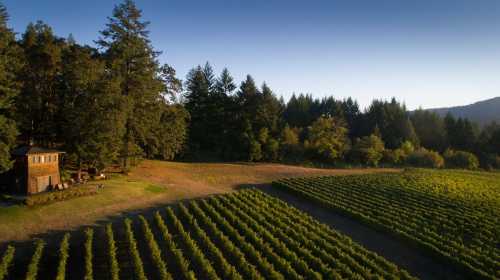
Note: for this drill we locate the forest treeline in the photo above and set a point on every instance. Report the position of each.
(115, 102)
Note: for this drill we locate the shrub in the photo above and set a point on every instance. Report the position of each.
(461, 159)
(393, 157)
(407, 148)
(52, 196)
(255, 151)
(425, 158)
(271, 149)
(497, 162)
(65, 175)
(369, 150)
(289, 144)
(327, 139)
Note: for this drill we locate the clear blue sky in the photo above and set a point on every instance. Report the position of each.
(427, 53)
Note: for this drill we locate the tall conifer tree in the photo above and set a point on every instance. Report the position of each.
(131, 59)
(38, 102)
(10, 64)
(91, 103)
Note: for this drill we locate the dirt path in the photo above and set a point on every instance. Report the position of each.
(390, 247)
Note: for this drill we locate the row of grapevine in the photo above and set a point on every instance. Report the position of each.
(33, 266)
(155, 251)
(63, 257)
(249, 271)
(256, 257)
(305, 258)
(314, 256)
(428, 208)
(277, 238)
(114, 268)
(226, 270)
(282, 265)
(134, 251)
(181, 263)
(245, 235)
(353, 264)
(196, 254)
(324, 237)
(89, 271)
(6, 261)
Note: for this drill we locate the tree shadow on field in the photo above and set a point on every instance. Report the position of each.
(414, 260)
(75, 270)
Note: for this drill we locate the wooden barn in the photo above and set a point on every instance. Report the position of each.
(36, 169)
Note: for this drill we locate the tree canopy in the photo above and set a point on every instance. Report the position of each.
(116, 103)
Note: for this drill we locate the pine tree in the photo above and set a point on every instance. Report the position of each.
(170, 128)
(225, 83)
(173, 85)
(132, 60)
(461, 133)
(247, 100)
(171, 132)
(300, 111)
(196, 100)
(269, 111)
(393, 121)
(10, 64)
(352, 116)
(213, 112)
(224, 99)
(91, 102)
(38, 104)
(430, 129)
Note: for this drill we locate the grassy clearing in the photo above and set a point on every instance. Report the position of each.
(150, 184)
(17, 222)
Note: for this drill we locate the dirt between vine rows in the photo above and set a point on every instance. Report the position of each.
(417, 262)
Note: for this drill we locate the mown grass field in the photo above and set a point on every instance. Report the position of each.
(244, 235)
(454, 215)
(150, 184)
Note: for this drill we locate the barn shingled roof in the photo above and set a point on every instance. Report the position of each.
(31, 150)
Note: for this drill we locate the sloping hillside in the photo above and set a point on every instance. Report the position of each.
(482, 112)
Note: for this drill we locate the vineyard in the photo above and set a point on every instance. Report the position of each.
(454, 215)
(243, 235)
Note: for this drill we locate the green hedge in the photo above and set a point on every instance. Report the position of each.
(53, 196)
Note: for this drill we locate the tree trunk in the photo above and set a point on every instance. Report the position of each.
(79, 172)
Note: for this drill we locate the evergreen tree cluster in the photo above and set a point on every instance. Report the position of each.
(101, 106)
(116, 103)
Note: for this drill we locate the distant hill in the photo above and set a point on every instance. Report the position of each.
(482, 112)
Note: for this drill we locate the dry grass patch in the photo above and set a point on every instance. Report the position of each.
(152, 183)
